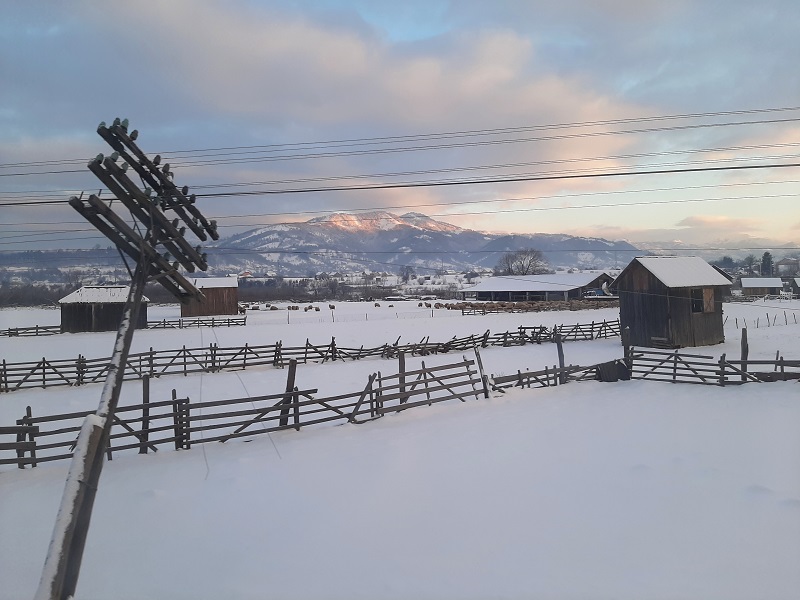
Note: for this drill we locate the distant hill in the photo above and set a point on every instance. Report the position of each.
(382, 241)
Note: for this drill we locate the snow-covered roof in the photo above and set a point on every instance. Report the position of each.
(761, 282)
(682, 271)
(99, 294)
(204, 283)
(549, 282)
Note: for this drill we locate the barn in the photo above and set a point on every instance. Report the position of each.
(761, 286)
(97, 308)
(221, 297)
(549, 286)
(672, 301)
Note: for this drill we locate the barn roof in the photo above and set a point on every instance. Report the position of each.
(99, 294)
(549, 282)
(681, 271)
(761, 282)
(205, 283)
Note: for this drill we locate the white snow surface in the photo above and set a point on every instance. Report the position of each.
(624, 490)
(682, 271)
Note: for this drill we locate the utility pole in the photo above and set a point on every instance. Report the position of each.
(147, 207)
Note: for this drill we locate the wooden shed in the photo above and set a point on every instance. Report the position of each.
(547, 286)
(672, 301)
(221, 297)
(97, 308)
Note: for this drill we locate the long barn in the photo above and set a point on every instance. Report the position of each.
(672, 301)
(547, 286)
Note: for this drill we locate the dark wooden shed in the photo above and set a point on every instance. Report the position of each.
(221, 297)
(97, 308)
(672, 301)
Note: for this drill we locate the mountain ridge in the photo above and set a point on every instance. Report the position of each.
(384, 241)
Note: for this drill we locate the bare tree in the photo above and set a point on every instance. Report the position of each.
(522, 262)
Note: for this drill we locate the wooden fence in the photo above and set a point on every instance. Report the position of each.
(197, 322)
(701, 369)
(210, 359)
(38, 330)
(180, 423)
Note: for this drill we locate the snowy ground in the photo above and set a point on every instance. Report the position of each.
(627, 490)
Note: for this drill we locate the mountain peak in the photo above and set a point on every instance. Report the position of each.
(378, 220)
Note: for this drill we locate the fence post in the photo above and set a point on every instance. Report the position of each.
(484, 377)
(401, 374)
(722, 370)
(290, 377)
(296, 409)
(560, 348)
(745, 353)
(26, 420)
(145, 432)
(4, 378)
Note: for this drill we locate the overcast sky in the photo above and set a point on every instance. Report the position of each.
(197, 75)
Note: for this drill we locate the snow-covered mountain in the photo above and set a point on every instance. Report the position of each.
(383, 241)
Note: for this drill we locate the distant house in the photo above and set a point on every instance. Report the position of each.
(549, 286)
(672, 301)
(787, 267)
(221, 297)
(761, 286)
(97, 308)
(794, 285)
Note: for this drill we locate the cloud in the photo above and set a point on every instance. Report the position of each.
(720, 223)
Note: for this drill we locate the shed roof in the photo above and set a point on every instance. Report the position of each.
(204, 283)
(761, 282)
(681, 271)
(549, 282)
(99, 294)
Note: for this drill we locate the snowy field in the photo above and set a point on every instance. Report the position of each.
(590, 490)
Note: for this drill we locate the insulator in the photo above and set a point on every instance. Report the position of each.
(114, 156)
(134, 134)
(148, 192)
(204, 256)
(175, 265)
(192, 199)
(98, 158)
(156, 159)
(116, 121)
(175, 223)
(124, 124)
(165, 168)
(124, 167)
(197, 249)
(185, 190)
(102, 125)
(182, 231)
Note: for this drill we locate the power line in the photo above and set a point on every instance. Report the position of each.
(447, 134)
(515, 179)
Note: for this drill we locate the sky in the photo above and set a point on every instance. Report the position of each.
(264, 96)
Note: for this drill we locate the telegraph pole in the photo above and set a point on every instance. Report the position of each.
(147, 207)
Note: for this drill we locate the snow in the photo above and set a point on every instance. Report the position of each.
(590, 490)
(546, 282)
(206, 283)
(99, 293)
(682, 271)
(761, 282)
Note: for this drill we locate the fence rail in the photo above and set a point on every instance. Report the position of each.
(213, 358)
(36, 330)
(701, 369)
(180, 423)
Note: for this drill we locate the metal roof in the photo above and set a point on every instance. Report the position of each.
(761, 282)
(549, 282)
(682, 271)
(99, 294)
